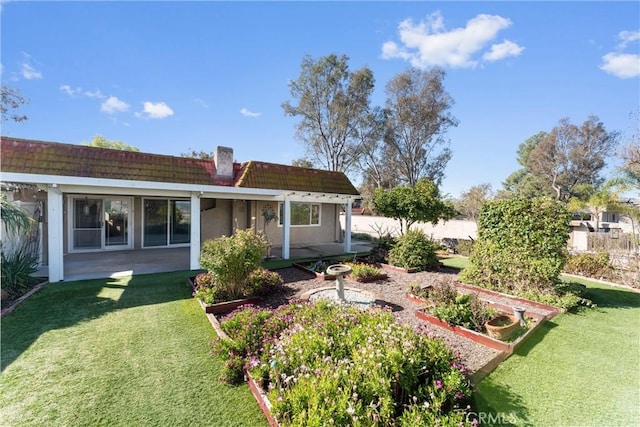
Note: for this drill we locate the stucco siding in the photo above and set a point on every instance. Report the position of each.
(215, 221)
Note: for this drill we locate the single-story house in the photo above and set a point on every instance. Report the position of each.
(97, 199)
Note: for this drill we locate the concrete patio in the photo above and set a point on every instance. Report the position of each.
(95, 265)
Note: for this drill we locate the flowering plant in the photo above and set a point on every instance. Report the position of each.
(325, 364)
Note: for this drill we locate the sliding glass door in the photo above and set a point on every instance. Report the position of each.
(87, 224)
(166, 222)
(99, 223)
(116, 222)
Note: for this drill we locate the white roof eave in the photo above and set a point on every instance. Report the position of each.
(74, 184)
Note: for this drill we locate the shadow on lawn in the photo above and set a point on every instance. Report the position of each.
(62, 305)
(613, 298)
(512, 410)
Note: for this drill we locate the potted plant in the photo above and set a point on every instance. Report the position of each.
(502, 327)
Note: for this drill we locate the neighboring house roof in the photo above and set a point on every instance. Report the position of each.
(50, 158)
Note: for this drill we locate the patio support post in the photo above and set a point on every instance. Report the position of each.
(286, 228)
(194, 247)
(347, 226)
(55, 234)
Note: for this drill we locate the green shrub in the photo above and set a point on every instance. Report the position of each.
(263, 282)
(443, 291)
(329, 364)
(232, 259)
(464, 247)
(362, 270)
(380, 251)
(520, 247)
(590, 265)
(17, 267)
(414, 250)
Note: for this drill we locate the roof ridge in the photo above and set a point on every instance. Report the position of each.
(89, 147)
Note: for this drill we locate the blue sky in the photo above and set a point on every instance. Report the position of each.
(171, 76)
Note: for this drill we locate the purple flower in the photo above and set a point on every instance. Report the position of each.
(438, 384)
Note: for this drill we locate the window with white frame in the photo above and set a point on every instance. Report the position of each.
(302, 214)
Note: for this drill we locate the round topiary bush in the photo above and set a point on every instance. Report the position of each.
(414, 250)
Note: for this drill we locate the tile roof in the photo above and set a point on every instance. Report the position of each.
(269, 175)
(50, 158)
(47, 158)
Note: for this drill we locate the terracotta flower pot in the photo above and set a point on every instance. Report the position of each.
(502, 327)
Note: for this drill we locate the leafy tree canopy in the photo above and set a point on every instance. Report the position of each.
(302, 162)
(11, 101)
(412, 204)
(417, 119)
(563, 161)
(101, 142)
(332, 104)
(470, 202)
(203, 155)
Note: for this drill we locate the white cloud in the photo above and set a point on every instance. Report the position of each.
(94, 94)
(155, 110)
(622, 65)
(69, 90)
(627, 37)
(247, 113)
(28, 72)
(503, 50)
(113, 105)
(429, 43)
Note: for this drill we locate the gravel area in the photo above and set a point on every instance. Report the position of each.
(390, 292)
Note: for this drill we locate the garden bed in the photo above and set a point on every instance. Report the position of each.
(223, 306)
(318, 269)
(536, 313)
(398, 269)
(490, 296)
(368, 279)
(13, 303)
(482, 338)
(448, 388)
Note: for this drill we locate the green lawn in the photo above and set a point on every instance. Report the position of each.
(580, 369)
(128, 351)
(457, 262)
(577, 370)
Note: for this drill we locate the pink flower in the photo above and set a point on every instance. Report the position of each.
(438, 384)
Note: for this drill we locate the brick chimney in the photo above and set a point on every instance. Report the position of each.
(223, 160)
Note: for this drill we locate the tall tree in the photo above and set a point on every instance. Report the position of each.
(418, 116)
(375, 171)
(101, 142)
(571, 156)
(11, 101)
(470, 202)
(631, 154)
(332, 102)
(522, 183)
